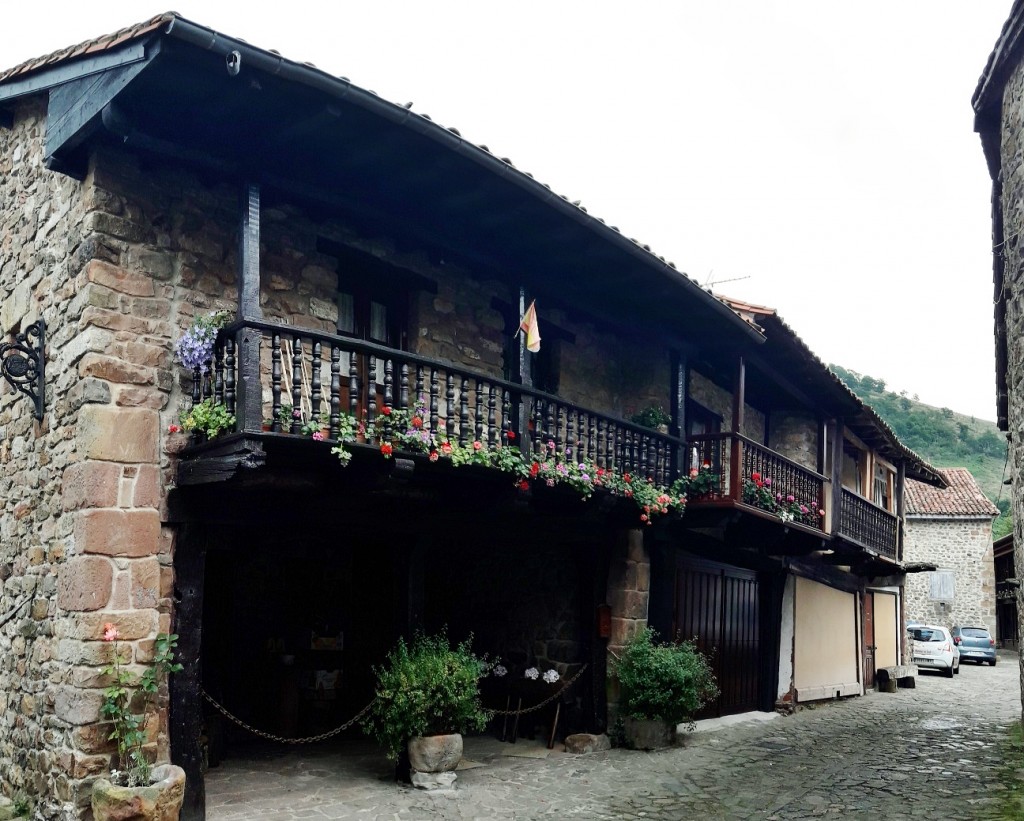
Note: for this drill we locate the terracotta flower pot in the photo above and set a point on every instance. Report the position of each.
(160, 801)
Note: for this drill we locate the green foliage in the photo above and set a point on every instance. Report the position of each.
(127, 702)
(208, 417)
(663, 682)
(943, 437)
(651, 417)
(22, 806)
(430, 688)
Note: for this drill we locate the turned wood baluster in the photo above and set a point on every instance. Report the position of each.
(449, 397)
(197, 385)
(371, 393)
(560, 426)
(389, 384)
(403, 387)
(335, 420)
(550, 433)
(464, 411)
(353, 384)
(479, 420)
(506, 416)
(600, 452)
(610, 455)
(229, 374)
(275, 382)
(433, 398)
(492, 416)
(316, 383)
(218, 369)
(570, 439)
(581, 435)
(538, 428)
(296, 426)
(592, 442)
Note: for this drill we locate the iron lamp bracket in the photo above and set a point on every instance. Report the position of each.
(23, 364)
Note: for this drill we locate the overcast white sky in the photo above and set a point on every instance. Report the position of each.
(822, 150)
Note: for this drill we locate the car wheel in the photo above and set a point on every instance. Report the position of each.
(993, 662)
(948, 672)
(956, 669)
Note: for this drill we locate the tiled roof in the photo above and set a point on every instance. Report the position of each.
(758, 315)
(963, 497)
(171, 18)
(93, 46)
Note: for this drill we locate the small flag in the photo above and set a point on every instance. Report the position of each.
(528, 325)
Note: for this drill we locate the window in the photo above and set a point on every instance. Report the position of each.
(940, 585)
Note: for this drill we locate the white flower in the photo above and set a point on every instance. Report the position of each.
(532, 673)
(500, 670)
(551, 676)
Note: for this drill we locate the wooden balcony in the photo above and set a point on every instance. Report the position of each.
(868, 525)
(757, 478)
(329, 374)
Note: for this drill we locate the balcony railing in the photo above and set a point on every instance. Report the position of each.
(330, 374)
(787, 488)
(868, 525)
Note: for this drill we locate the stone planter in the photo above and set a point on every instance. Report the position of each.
(646, 734)
(160, 801)
(433, 760)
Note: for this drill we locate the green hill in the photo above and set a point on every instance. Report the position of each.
(942, 436)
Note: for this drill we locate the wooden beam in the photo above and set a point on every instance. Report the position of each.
(901, 510)
(186, 687)
(220, 463)
(75, 108)
(74, 70)
(249, 403)
(836, 505)
(678, 392)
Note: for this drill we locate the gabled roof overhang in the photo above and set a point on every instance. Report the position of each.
(182, 91)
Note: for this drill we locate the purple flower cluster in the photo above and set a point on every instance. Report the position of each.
(195, 347)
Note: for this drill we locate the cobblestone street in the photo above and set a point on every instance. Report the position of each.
(933, 751)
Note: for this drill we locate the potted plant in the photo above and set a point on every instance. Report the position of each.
(207, 419)
(653, 417)
(661, 686)
(136, 789)
(427, 695)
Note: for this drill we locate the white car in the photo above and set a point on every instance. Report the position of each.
(933, 648)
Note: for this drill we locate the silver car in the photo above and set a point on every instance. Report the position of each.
(933, 648)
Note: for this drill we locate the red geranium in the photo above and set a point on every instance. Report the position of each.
(386, 410)
(534, 468)
(416, 422)
(386, 448)
(511, 435)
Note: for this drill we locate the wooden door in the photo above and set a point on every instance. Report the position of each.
(718, 605)
(869, 639)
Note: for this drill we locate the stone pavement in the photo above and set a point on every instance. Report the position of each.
(923, 753)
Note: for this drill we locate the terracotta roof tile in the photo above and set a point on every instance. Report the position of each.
(963, 497)
(92, 46)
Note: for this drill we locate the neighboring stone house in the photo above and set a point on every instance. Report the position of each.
(377, 264)
(998, 105)
(951, 528)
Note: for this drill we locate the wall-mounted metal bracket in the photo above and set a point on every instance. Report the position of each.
(23, 364)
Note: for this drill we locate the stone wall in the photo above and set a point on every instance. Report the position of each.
(797, 437)
(963, 546)
(718, 400)
(1012, 162)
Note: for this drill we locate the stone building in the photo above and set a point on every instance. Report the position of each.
(999, 120)
(375, 266)
(951, 528)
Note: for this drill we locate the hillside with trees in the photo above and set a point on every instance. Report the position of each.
(942, 436)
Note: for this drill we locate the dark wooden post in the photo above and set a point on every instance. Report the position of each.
(186, 687)
(680, 374)
(250, 394)
(901, 479)
(738, 403)
(523, 377)
(837, 476)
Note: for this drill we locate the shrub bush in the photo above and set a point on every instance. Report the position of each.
(429, 688)
(663, 682)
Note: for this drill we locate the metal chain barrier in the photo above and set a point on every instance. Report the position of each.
(331, 733)
(281, 739)
(545, 702)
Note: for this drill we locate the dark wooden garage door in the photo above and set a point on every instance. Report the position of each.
(718, 604)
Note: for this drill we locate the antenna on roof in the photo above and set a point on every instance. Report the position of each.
(711, 281)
